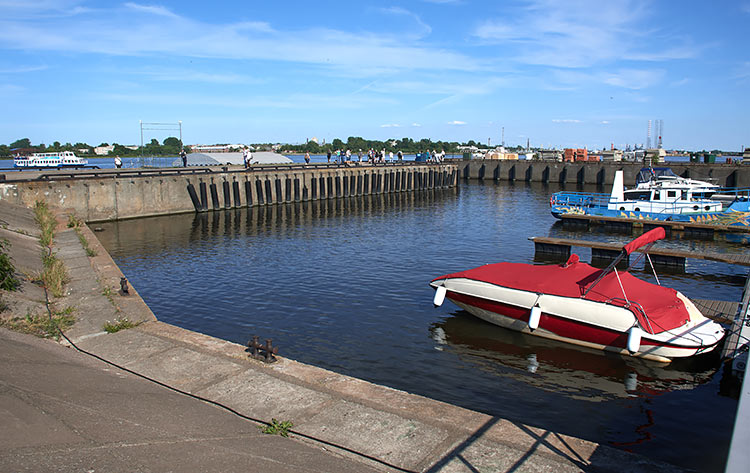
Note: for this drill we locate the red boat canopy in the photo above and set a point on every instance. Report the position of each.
(649, 237)
(664, 309)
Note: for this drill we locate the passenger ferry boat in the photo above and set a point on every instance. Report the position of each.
(60, 159)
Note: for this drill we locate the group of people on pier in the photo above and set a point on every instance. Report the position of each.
(372, 156)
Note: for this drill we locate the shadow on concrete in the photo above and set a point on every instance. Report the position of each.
(540, 440)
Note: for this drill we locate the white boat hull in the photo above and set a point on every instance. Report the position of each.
(579, 321)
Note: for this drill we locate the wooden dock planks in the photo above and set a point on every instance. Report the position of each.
(721, 311)
(637, 222)
(544, 244)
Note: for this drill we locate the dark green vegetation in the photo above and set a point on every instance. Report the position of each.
(169, 147)
(8, 280)
(277, 428)
(356, 143)
(54, 276)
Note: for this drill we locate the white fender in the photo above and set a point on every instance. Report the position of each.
(439, 296)
(536, 314)
(631, 381)
(634, 339)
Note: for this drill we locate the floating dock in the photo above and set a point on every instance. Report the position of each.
(628, 224)
(602, 250)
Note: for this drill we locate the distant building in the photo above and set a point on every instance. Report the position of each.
(575, 154)
(500, 153)
(550, 155)
(656, 155)
(217, 148)
(103, 150)
(611, 155)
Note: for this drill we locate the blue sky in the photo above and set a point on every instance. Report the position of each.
(558, 73)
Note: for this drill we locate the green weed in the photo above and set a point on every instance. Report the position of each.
(8, 280)
(42, 325)
(277, 428)
(119, 324)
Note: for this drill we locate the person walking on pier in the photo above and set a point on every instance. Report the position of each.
(183, 156)
(118, 162)
(307, 158)
(329, 156)
(246, 158)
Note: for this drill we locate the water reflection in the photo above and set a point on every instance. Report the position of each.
(343, 284)
(577, 372)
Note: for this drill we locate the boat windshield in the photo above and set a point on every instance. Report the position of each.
(648, 174)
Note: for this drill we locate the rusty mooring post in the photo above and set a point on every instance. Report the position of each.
(262, 352)
(124, 286)
(253, 345)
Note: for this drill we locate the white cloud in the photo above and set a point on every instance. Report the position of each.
(22, 69)
(136, 30)
(150, 9)
(634, 79)
(416, 125)
(398, 11)
(390, 125)
(457, 122)
(565, 120)
(583, 33)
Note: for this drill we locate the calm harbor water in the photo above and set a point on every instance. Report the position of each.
(343, 284)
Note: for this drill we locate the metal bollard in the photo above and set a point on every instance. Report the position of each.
(124, 286)
(262, 352)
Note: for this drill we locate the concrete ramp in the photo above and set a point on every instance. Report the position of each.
(213, 159)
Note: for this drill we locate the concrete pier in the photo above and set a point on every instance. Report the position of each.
(124, 193)
(359, 426)
(597, 173)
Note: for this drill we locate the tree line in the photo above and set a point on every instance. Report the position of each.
(356, 143)
(169, 147)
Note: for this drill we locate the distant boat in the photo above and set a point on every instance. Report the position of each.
(62, 159)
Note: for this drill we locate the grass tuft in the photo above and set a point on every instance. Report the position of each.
(75, 223)
(119, 324)
(277, 428)
(55, 276)
(46, 222)
(41, 325)
(8, 280)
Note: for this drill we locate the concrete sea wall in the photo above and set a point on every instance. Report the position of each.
(121, 193)
(598, 173)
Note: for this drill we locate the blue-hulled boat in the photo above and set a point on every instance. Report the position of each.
(672, 199)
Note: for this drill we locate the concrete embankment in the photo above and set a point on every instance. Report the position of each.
(389, 429)
(597, 173)
(116, 194)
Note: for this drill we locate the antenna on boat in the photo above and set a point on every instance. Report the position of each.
(646, 241)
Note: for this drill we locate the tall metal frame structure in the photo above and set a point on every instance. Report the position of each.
(151, 126)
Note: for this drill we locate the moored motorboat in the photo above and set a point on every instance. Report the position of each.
(679, 200)
(576, 303)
